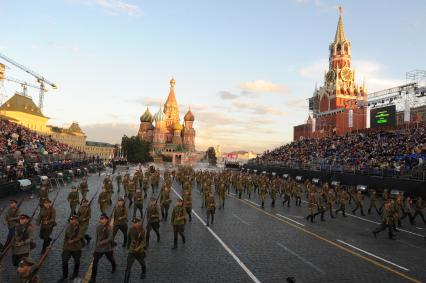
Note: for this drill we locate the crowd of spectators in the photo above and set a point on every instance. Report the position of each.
(25, 153)
(397, 150)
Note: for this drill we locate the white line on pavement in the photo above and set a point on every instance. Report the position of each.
(240, 263)
(307, 262)
(373, 255)
(239, 218)
(232, 194)
(289, 219)
(256, 204)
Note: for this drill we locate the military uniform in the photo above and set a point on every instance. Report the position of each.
(153, 218)
(211, 208)
(165, 201)
(359, 201)
(29, 274)
(178, 221)
(136, 248)
(138, 205)
(222, 194)
(21, 242)
(84, 214)
(118, 180)
(12, 219)
(263, 193)
(43, 195)
(418, 210)
(103, 201)
(373, 198)
(47, 220)
(120, 221)
(187, 203)
(104, 246)
(84, 189)
(73, 199)
(341, 200)
(312, 204)
(387, 222)
(73, 243)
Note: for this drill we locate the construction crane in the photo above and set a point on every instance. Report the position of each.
(23, 84)
(40, 79)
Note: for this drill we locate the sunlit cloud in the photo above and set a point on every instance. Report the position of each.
(114, 7)
(258, 109)
(226, 95)
(262, 86)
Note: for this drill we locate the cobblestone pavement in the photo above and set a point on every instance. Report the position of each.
(248, 244)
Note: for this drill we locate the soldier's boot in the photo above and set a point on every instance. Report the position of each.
(158, 236)
(322, 216)
(174, 244)
(343, 212)
(263, 204)
(127, 276)
(312, 218)
(87, 238)
(212, 218)
(369, 211)
(184, 239)
(113, 267)
(375, 234)
(331, 213)
(64, 273)
(249, 196)
(362, 212)
(190, 217)
(76, 270)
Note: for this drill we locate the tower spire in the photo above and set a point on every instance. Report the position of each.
(340, 32)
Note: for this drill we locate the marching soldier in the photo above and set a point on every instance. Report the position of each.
(273, 192)
(341, 200)
(322, 199)
(222, 195)
(47, 220)
(138, 197)
(131, 189)
(298, 194)
(73, 199)
(330, 200)
(211, 208)
(419, 205)
(83, 188)
(84, 214)
(373, 198)
(12, 220)
(263, 192)
(359, 202)
(73, 243)
(312, 204)
(178, 221)
(120, 220)
(103, 200)
(153, 218)
(187, 203)
(386, 221)
(27, 271)
(406, 208)
(287, 194)
(118, 179)
(21, 242)
(104, 246)
(165, 201)
(136, 248)
(43, 194)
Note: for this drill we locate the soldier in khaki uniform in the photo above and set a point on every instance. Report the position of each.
(73, 199)
(47, 220)
(131, 189)
(373, 198)
(222, 194)
(84, 214)
(341, 200)
(387, 221)
(21, 242)
(103, 200)
(27, 271)
(120, 220)
(165, 201)
(43, 194)
(312, 204)
(178, 220)
(263, 192)
(359, 202)
(138, 198)
(83, 188)
(73, 243)
(211, 208)
(153, 218)
(136, 248)
(187, 203)
(118, 180)
(12, 219)
(104, 246)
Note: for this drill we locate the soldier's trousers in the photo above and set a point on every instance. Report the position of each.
(45, 232)
(210, 215)
(123, 228)
(16, 259)
(165, 211)
(358, 206)
(137, 207)
(298, 201)
(383, 227)
(373, 205)
(342, 208)
(286, 200)
(10, 235)
(418, 212)
(188, 211)
(178, 229)
(66, 256)
(131, 257)
(152, 226)
(97, 256)
(73, 207)
(83, 195)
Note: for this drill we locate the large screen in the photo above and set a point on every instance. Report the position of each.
(384, 116)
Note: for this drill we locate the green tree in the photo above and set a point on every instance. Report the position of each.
(135, 149)
(211, 156)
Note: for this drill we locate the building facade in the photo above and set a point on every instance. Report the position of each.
(164, 129)
(337, 106)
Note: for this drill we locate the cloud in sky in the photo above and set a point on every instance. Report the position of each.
(226, 95)
(258, 109)
(372, 71)
(115, 7)
(262, 86)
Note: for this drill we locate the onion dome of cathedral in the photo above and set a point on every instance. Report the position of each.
(147, 116)
(160, 116)
(177, 126)
(189, 116)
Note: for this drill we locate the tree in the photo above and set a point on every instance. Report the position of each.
(211, 156)
(135, 149)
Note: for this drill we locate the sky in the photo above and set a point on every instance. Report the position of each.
(245, 67)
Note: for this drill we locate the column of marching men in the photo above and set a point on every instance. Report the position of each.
(131, 190)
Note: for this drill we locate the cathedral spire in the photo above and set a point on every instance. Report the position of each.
(340, 32)
(171, 99)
